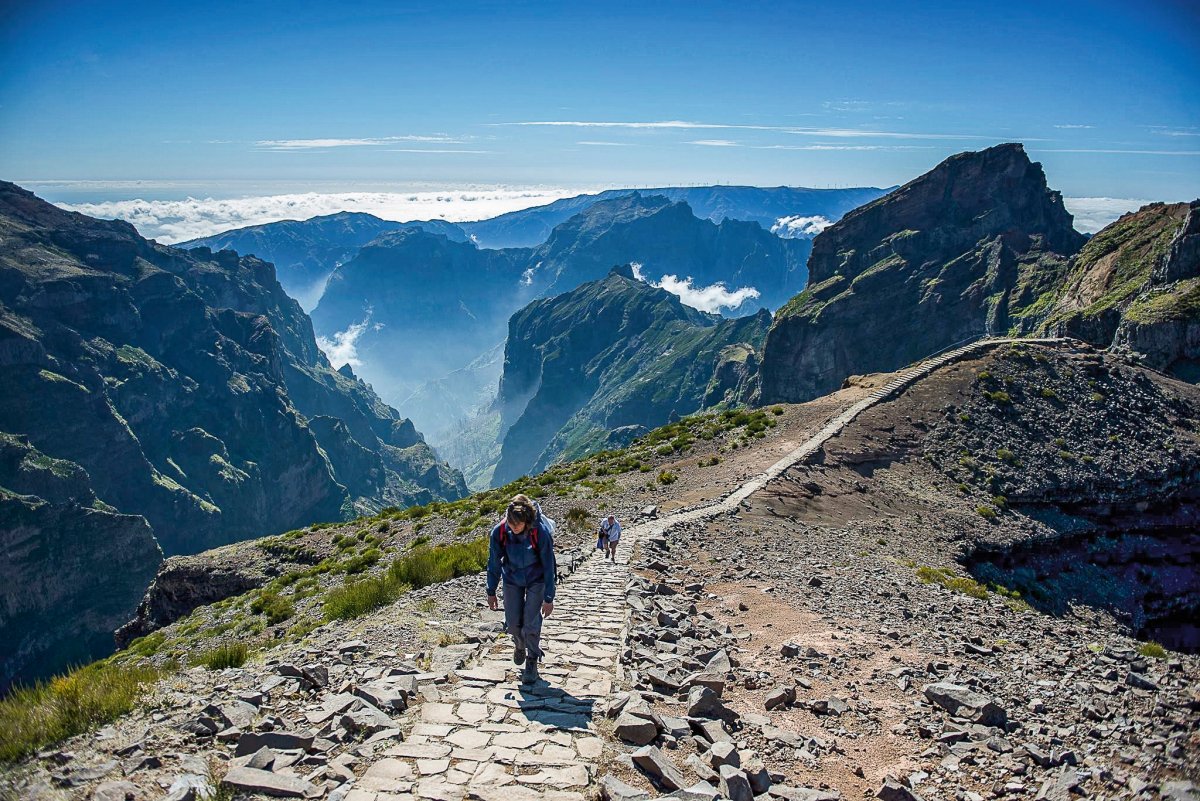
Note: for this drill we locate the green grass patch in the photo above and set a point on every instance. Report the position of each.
(47, 712)
(273, 606)
(225, 655)
(1152, 650)
(946, 577)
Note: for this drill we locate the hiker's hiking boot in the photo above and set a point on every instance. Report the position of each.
(530, 674)
(518, 655)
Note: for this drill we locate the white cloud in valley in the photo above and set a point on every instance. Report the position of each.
(172, 221)
(342, 348)
(797, 227)
(1093, 213)
(710, 298)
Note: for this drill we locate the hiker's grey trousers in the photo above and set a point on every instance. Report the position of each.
(523, 616)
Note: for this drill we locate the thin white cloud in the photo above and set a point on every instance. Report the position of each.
(1114, 150)
(173, 221)
(324, 144)
(714, 143)
(342, 349)
(843, 147)
(700, 126)
(595, 143)
(1074, 127)
(1163, 130)
(709, 299)
(430, 150)
(797, 227)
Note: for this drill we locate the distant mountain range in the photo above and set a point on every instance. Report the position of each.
(767, 206)
(306, 252)
(422, 306)
(163, 401)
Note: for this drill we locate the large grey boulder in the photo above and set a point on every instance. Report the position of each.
(964, 702)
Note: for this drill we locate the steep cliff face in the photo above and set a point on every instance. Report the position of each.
(1136, 286)
(56, 608)
(612, 353)
(977, 245)
(182, 384)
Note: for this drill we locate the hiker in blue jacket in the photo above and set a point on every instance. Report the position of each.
(521, 550)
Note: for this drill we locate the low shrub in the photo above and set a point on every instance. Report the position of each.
(667, 477)
(359, 597)
(274, 606)
(425, 565)
(225, 655)
(1152, 650)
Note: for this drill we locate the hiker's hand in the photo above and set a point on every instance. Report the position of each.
(492, 603)
(547, 608)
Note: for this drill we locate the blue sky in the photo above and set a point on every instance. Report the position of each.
(225, 99)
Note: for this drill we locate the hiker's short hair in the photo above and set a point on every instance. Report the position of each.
(521, 510)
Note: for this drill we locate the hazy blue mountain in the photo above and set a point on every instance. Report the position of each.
(421, 307)
(305, 252)
(763, 205)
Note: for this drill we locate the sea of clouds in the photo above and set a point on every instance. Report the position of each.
(172, 221)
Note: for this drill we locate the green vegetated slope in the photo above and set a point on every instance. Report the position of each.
(612, 355)
(1136, 285)
(188, 388)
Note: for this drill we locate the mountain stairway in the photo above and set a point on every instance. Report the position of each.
(491, 738)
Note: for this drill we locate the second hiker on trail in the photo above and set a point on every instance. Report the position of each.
(610, 533)
(521, 552)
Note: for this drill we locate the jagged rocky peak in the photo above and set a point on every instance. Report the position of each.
(969, 248)
(970, 196)
(1135, 286)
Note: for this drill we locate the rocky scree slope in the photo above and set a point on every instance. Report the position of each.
(614, 354)
(825, 640)
(187, 387)
(1135, 286)
(968, 248)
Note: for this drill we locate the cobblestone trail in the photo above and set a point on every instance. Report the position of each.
(485, 736)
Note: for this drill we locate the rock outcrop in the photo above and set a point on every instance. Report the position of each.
(183, 383)
(1135, 286)
(609, 354)
(977, 245)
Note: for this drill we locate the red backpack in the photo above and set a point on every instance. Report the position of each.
(533, 533)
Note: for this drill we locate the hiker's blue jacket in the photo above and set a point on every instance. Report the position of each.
(518, 562)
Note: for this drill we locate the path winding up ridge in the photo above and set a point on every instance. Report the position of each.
(487, 737)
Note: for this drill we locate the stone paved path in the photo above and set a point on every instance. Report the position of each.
(485, 736)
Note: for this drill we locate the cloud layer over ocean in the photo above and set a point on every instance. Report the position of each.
(172, 221)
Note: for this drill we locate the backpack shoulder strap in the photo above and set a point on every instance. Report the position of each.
(503, 532)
